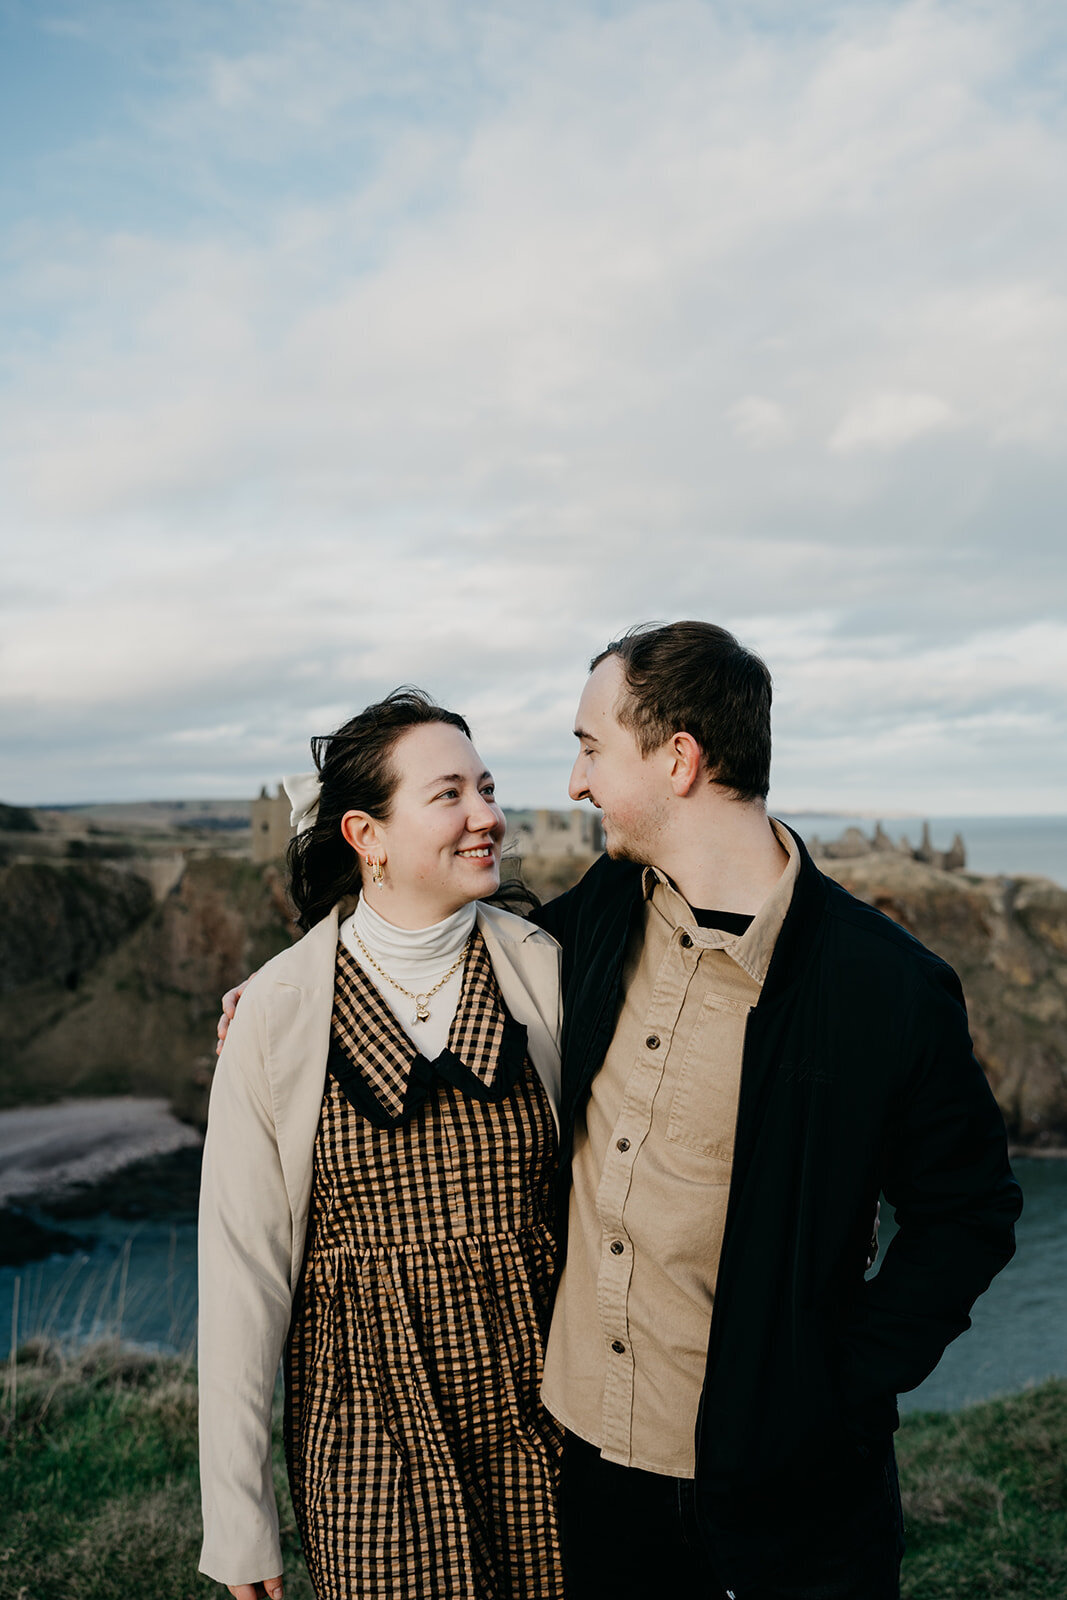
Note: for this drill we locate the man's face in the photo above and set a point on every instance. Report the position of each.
(630, 790)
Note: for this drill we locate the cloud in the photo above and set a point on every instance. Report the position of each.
(887, 421)
(468, 335)
(758, 421)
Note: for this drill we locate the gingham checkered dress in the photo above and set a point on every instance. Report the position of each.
(421, 1460)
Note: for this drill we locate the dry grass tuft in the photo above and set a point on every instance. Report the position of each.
(132, 1546)
(940, 1497)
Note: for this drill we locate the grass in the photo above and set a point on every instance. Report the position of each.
(985, 1499)
(99, 1492)
(99, 1495)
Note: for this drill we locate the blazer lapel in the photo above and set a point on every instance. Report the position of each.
(526, 963)
(299, 1013)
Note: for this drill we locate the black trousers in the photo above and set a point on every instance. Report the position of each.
(634, 1535)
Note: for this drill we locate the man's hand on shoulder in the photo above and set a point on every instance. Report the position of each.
(229, 1010)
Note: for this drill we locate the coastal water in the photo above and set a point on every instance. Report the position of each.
(136, 1283)
(141, 1286)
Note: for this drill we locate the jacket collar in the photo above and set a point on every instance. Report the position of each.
(795, 945)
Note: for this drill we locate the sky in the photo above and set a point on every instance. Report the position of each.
(350, 344)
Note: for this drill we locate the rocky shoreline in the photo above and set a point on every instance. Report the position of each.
(125, 1156)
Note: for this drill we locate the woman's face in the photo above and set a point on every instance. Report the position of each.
(440, 847)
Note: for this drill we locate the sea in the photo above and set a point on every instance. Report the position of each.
(138, 1283)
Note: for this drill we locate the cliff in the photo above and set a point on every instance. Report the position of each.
(97, 1004)
(1007, 939)
(102, 993)
(57, 921)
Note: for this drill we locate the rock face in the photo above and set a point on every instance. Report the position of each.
(141, 1019)
(140, 1016)
(1007, 939)
(56, 922)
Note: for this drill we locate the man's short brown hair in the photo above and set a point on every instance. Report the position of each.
(695, 678)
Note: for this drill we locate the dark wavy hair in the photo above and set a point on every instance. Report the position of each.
(357, 774)
(694, 677)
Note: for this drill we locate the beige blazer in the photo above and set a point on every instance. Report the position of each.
(266, 1100)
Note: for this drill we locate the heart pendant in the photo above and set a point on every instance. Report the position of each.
(422, 1009)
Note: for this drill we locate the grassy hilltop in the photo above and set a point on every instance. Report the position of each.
(100, 1498)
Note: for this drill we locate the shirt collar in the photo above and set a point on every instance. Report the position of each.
(753, 949)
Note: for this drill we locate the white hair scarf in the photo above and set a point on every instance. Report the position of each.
(303, 790)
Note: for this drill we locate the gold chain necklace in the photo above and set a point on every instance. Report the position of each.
(422, 1001)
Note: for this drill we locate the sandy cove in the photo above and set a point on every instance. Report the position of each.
(45, 1151)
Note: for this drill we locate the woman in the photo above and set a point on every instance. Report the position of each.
(376, 1198)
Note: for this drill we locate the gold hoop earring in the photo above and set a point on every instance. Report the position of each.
(377, 872)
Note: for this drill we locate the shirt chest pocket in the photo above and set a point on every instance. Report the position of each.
(704, 1105)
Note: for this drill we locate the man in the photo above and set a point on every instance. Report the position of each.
(750, 1056)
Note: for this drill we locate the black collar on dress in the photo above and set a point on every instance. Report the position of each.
(382, 1073)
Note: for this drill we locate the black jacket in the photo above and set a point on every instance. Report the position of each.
(857, 1078)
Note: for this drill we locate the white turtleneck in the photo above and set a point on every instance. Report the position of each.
(418, 958)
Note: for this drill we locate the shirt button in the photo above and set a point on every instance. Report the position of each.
(618, 1347)
(686, 941)
(653, 1041)
(622, 1144)
(617, 1247)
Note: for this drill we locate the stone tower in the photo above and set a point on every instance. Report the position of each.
(270, 825)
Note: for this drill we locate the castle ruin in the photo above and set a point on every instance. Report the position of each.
(854, 843)
(270, 825)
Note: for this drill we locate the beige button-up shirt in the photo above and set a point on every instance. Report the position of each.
(653, 1154)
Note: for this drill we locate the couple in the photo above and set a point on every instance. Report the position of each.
(413, 1197)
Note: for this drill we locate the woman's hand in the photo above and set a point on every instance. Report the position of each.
(271, 1587)
(229, 1011)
